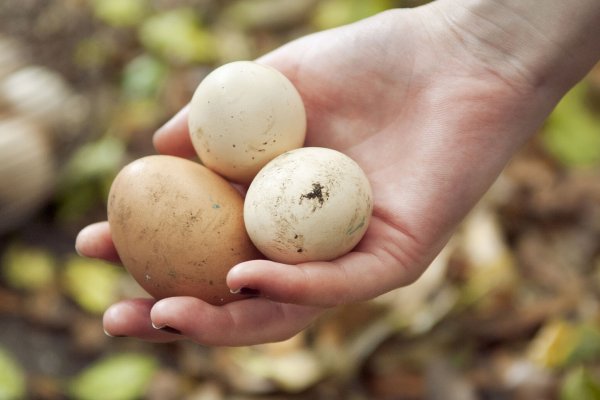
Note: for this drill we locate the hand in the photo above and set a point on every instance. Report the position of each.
(428, 119)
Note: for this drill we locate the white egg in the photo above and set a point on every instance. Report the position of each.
(309, 204)
(242, 115)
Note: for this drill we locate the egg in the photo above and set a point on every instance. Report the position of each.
(178, 228)
(308, 204)
(242, 115)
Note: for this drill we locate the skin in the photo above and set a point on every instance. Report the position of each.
(432, 103)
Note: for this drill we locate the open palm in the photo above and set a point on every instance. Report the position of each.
(425, 119)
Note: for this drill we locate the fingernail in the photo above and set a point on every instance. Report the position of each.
(162, 129)
(112, 336)
(166, 328)
(246, 291)
(167, 125)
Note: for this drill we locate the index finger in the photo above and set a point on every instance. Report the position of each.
(95, 241)
(173, 138)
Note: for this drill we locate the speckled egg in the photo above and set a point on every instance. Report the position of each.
(178, 228)
(242, 115)
(309, 204)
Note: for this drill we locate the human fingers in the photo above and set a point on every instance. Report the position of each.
(324, 284)
(95, 241)
(379, 264)
(132, 318)
(240, 323)
(173, 137)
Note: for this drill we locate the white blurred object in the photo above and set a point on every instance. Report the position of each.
(42, 95)
(11, 56)
(491, 263)
(288, 365)
(27, 170)
(39, 114)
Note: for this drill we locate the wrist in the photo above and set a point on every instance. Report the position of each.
(545, 47)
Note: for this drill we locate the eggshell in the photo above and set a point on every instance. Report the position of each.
(242, 115)
(309, 204)
(178, 228)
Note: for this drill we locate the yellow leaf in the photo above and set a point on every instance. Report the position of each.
(553, 344)
(91, 283)
(28, 268)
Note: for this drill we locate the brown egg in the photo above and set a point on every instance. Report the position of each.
(178, 228)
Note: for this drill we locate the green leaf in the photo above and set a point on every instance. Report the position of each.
(332, 13)
(77, 201)
(578, 384)
(572, 132)
(266, 14)
(12, 378)
(553, 343)
(562, 343)
(143, 77)
(178, 36)
(118, 377)
(92, 283)
(93, 52)
(138, 115)
(94, 160)
(82, 183)
(119, 12)
(587, 346)
(28, 268)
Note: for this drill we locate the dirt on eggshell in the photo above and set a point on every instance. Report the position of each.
(178, 228)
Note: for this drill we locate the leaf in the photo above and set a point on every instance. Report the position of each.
(120, 13)
(93, 160)
(553, 344)
(293, 370)
(491, 264)
(143, 77)
(178, 36)
(137, 115)
(587, 345)
(28, 268)
(12, 378)
(332, 13)
(94, 52)
(417, 307)
(91, 283)
(83, 181)
(578, 384)
(118, 377)
(572, 132)
(560, 343)
(266, 14)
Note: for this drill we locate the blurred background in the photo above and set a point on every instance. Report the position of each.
(509, 310)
